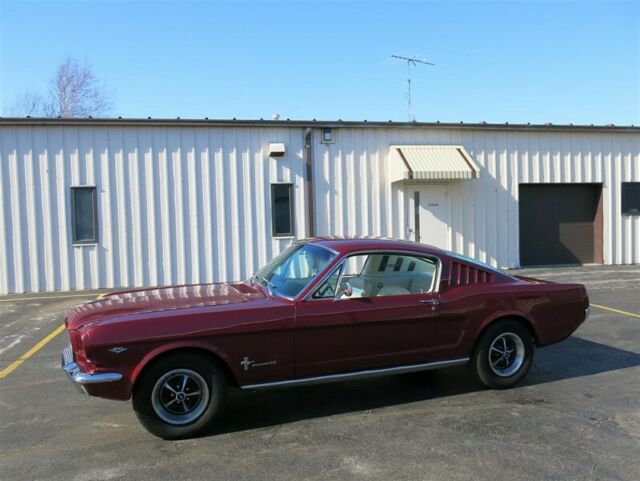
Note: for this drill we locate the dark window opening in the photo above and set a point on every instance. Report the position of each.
(84, 219)
(631, 198)
(383, 263)
(282, 209)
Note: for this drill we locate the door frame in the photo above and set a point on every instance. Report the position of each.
(308, 307)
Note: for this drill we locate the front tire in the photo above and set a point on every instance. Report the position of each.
(179, 396)
(503, 355)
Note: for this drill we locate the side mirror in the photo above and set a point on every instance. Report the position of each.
(346, 289)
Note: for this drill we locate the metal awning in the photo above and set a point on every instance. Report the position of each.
(423, 164)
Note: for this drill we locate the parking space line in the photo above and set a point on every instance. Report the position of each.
(11, 367)
(24, 299)
(618, 311)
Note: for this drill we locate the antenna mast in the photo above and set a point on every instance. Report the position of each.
(410, 61)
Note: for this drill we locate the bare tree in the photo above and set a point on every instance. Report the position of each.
(28, 103)
(74, 91)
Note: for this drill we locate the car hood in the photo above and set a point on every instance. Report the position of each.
(161, 299)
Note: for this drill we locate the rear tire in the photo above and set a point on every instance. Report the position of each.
(503, 355)
(179, 396)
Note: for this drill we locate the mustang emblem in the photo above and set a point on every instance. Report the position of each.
(246, 363)
(117, 350)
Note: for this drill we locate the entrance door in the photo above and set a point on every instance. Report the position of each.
(431, 216)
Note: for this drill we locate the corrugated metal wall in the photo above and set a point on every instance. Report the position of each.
(175, 205)
(192, 204)
(354, 195)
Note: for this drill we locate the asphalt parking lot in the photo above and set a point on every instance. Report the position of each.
(577, 416)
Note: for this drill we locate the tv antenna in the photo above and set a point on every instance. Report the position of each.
(411, 61)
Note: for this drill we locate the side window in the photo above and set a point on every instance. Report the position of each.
(282, 209)
(378, 275)
(84, 218)
(347, 275)
(327, 289)
(396, 274)
(352, 278)
(354, 265)
(630, 198)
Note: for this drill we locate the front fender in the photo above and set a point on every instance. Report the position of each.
(174, 346)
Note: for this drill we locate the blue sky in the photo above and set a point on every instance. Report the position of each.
(560, 62)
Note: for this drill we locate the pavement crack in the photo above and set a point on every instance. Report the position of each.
(270, 438)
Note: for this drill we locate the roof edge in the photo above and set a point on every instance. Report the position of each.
(206, 122)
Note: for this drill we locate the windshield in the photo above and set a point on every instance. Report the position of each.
(290, 272)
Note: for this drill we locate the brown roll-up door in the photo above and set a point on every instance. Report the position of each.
(560, 224)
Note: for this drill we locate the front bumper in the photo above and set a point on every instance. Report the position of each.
(80, 378)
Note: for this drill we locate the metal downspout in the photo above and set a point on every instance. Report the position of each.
(308, 160)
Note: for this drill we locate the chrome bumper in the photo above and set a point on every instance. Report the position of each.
(79, 378)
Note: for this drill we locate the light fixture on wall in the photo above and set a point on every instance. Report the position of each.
(327, 135)
(276, 149)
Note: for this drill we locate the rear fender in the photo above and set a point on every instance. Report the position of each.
(494, 316)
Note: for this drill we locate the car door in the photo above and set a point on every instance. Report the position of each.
(387, 320)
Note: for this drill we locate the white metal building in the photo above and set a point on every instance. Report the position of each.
(114, 203)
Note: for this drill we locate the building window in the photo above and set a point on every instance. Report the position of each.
(282, 209)
(84, 219)
(631, 198)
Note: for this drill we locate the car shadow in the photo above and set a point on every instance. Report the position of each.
(573, 358)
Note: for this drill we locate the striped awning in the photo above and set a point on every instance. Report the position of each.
(423, 164)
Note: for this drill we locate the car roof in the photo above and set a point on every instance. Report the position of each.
(347, 245)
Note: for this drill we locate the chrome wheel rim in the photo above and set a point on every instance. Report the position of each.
(180, 396)
(506, 354)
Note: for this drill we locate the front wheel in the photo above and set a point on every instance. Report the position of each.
(179, 396)
(503, 355)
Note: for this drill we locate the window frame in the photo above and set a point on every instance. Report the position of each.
(339, 269)
(74, 233)
(631, 210)
(292, 233)
(340, 264)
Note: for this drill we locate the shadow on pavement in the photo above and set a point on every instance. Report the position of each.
(572, 358)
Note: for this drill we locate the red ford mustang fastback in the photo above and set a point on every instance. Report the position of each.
(323, 310)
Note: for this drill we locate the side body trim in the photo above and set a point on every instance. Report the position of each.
(347, 376)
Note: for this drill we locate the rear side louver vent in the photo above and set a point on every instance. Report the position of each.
(464, 275)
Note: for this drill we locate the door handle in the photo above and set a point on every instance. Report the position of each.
(433, 302)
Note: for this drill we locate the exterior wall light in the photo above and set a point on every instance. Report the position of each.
(276, 149)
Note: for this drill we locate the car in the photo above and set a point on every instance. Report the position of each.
(325, 309)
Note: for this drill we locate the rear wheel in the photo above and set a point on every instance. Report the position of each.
(179, 396)
(503, 355)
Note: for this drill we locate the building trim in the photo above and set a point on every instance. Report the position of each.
(178, 122)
